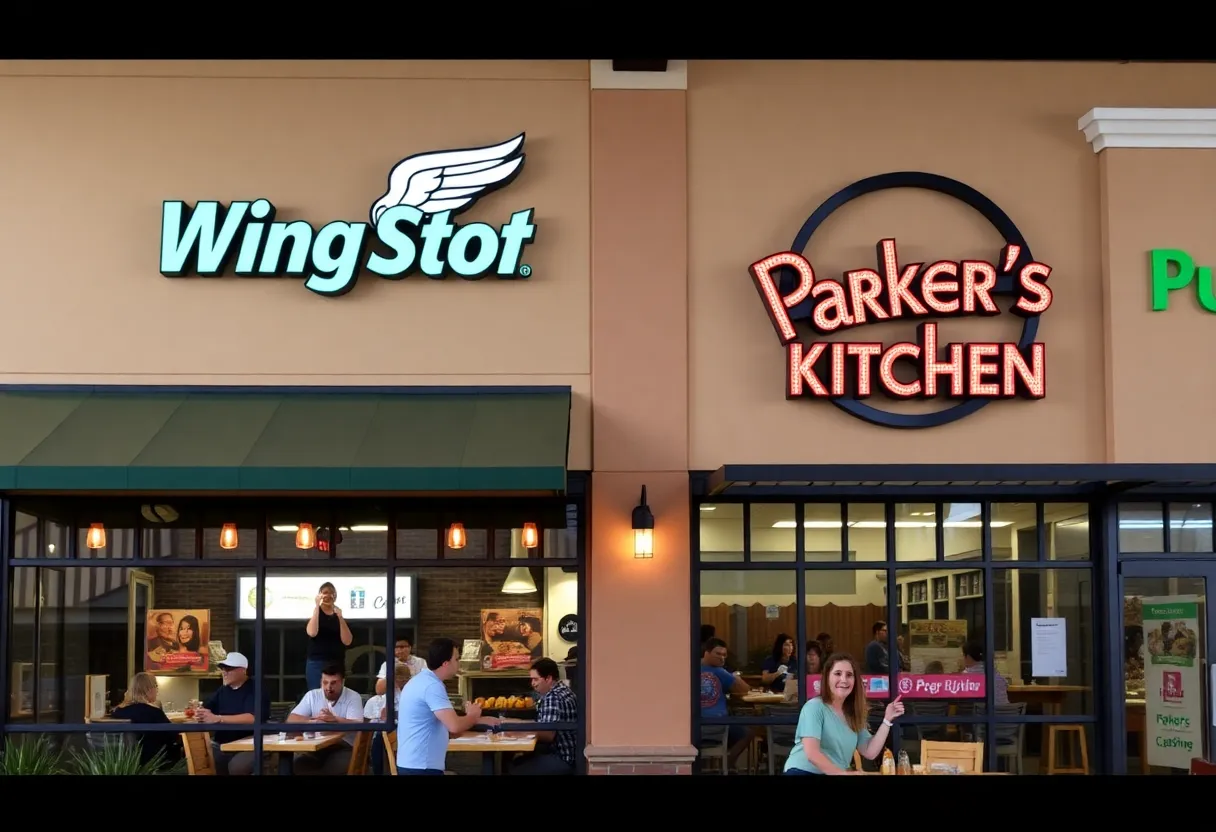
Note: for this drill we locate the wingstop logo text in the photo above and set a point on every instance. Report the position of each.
(412, 222)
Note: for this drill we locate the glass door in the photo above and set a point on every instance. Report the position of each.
(1166, 665)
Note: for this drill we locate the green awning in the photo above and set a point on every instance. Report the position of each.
(402, 439)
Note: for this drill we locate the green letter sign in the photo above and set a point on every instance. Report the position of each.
(1160, 262)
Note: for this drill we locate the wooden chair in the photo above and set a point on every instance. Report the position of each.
(390, 747)
(1202, 766)
(967, 756)
(199, 759)
(360, 754)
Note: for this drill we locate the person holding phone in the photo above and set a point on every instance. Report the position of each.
(328, 636)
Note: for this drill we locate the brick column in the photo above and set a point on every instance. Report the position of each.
(638, 609)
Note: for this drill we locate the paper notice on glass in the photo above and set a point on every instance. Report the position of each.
(1048, 647)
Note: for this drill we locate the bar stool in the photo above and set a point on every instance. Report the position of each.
(1067, 732)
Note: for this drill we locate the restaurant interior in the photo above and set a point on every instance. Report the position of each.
(928, 578)
(92, 580)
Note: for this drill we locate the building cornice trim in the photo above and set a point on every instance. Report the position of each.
(1166, 127)
(603, 77)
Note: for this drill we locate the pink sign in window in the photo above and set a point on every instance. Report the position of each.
(941, 686)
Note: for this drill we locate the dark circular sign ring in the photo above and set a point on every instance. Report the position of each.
(929, 182)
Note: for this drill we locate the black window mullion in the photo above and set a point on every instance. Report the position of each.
(990, 669)
(844, 532)
(892, 617)
(939, 534)
(1166, 526)
(747, 532)
(1040, 519)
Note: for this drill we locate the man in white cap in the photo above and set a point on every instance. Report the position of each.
(232, 704)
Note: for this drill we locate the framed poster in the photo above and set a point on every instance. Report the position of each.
(511, 638)
(176, 641)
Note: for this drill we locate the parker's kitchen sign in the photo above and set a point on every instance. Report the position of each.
(411, 223)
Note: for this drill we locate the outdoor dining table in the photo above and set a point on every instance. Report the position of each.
(285, 748)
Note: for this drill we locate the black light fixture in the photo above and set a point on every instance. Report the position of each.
(643, 529)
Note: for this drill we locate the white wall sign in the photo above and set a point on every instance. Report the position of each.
(1173, 677)
(1048, 647)
(361, 597)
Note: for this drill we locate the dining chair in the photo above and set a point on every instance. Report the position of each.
(199, 759)
(360, 753)
(967, 756)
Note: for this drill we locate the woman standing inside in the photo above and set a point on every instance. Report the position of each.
(833, 724)
(328, 636)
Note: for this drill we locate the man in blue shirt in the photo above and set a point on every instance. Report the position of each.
(716, 684)
(426, 718)
(877, 657)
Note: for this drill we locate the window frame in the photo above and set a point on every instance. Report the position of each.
(576, 500)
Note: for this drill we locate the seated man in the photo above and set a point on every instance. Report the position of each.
(716, 685)
(232, 704)
(332, 703)
(557, 703)
(375, 709)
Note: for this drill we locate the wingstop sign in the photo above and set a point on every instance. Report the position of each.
(412, 223)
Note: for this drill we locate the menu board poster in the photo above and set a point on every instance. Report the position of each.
(1172, 680)
(511, 638)
(936, 647)
(176, 641)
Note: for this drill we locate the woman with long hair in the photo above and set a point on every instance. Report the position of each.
(833, 724)
(782, 664)
(189, 635)
(328, 636)
(140, 707)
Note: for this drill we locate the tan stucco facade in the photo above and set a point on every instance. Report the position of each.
(650, 206)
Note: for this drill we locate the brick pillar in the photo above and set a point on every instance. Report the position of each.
(638, 609)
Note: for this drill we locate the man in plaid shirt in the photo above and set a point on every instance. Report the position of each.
(557, 703)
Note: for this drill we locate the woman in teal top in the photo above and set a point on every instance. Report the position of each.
(832, 725)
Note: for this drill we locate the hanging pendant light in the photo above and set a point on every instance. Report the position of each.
(229, 539)
(457, 537)
(306, 538)
(96, 538)
(519, 578)
(530, 536)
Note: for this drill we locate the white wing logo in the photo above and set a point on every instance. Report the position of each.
(450, 180)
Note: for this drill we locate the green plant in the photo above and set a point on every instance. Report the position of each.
(117, 757)
(30, 755)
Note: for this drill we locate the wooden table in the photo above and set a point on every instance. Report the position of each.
(762, 698)
(176, 717)
(294, 744)
(492, 746)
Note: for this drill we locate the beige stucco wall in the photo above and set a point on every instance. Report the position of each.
(770, 140)
(92, 149)
(1162, 391)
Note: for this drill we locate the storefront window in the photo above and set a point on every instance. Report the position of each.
(721, 532)
(1143, 528)
(866, 531)
(963, 628)
(181, 595)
